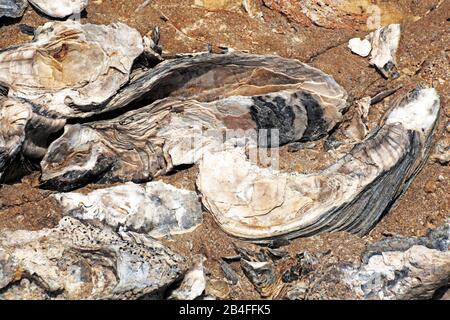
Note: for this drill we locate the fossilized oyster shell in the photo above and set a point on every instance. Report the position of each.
(12, 8)
(258, 204)
(156, 209)
(385, 43)
(330, 14)
(60, 8)
(395, 268)
(203, 97)
(24, 134)
(79, 261)
(69, 69)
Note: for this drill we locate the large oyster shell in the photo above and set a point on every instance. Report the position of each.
(69, 69)
(203, 97)
(257, 204)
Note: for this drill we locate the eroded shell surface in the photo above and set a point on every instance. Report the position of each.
(12, 8)
(424, 265)
(80, 261)
(385, 43)
(394, 268)
(202, 98)
(331, 14)
(382, 45)
(261, 203)
(156, 209)
(69, 69)
(60, 8)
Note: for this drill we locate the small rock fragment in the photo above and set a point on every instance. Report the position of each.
(263, 276)
(360, 47)
(194, 282)
(60, 8)
(229, 273)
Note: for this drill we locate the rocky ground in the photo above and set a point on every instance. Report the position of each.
(189, 26)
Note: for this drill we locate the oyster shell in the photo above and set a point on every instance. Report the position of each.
(24, 134)
(382, 45)
(202, 98)
(78, 261)
(66, 72)
(395, 268)
(329, 14)
(206, 77)
(385, 43)
(156, 209)
(70, 69)
(12, 8)
(258, 204)
(194, 282)
(60, 8)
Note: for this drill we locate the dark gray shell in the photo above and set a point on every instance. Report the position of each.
(12, 8)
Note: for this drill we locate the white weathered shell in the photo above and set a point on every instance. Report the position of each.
(260, 203)
(156, 209)
(385, 43)
(360, 47)
(60, 8)
(70, 69)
